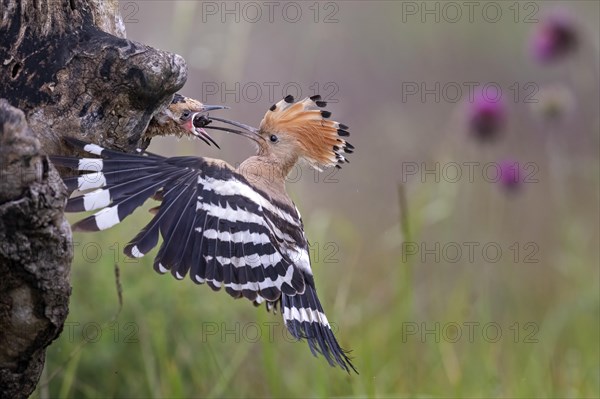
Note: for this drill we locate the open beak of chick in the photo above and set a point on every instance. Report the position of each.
(195, 121)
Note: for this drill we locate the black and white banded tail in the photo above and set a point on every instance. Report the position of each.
(305, 318)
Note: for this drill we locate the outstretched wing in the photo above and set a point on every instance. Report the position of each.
(215, 225)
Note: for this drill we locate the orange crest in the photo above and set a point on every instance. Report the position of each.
(321, 140)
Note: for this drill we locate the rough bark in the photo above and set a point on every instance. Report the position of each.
(35, 255)
(70, 76)
(67, 66)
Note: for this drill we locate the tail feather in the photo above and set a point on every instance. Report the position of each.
(305, 319)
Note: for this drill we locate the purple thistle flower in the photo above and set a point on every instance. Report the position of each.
(554, 37)
(510, 174)
(487, 114)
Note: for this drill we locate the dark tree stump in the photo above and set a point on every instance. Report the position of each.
(71, 77)
(66, 69)
(35, 255)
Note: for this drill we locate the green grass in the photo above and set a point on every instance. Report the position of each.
(176, 339)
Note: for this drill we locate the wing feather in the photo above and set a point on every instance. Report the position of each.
(216, 226)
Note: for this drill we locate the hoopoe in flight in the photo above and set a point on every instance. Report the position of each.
(231, 228)
(181, 118)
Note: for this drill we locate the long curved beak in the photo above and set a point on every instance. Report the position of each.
(206, 108)
(248, 131)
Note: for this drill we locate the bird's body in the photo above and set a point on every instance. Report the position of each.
(231, 228)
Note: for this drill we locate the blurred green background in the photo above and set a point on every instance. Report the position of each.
(443, 285)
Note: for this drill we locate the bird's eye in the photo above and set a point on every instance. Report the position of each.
(185, 115)
(274, 138)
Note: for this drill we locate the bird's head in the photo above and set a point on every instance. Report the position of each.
(302, 130)
(182, 118)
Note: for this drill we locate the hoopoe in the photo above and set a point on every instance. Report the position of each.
(180, 118)
(232, 228)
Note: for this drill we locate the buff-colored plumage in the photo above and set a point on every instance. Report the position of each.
(175, 119)
(320, 140)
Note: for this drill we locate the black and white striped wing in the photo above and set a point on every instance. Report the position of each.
(215, 226)
(225, 234)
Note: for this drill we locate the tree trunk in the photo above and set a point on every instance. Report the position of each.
(66, 69)
(35, 255)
